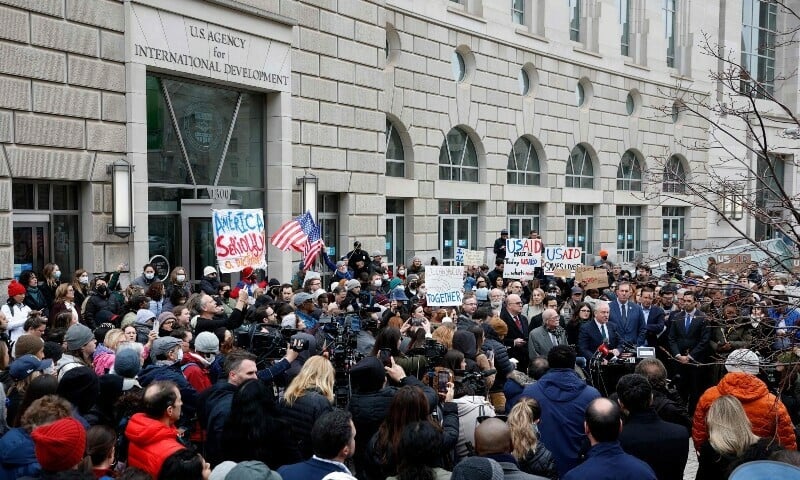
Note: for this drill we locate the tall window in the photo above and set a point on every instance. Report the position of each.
(674, 225)
(575, 20)
(523, 164)
(522, 218)
(759, 24)
(669, 30)
(328, 213)
(629, 224)
(624, 7)
(518, 11)
(458, 160)
(580, 224)
(733, 199)
(395, 231)
(674, 176)
(769, 204)
(458, 227)
(395, 154)
(580, 172)
(629, 173)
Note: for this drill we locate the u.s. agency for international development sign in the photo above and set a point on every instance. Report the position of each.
(178, 43)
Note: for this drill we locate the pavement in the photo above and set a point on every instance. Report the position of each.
(691, 465)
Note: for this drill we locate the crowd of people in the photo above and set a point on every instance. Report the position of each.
(538, 378)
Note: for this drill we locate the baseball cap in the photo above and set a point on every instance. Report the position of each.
(27, 364)
(208, 271)
(301, 297)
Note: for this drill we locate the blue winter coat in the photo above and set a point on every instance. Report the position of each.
(17, 457)
(563, 397)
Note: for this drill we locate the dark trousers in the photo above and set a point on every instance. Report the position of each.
(692, 381)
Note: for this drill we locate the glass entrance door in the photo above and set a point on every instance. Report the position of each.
(197, 238)
(31, 246)
(456, 231)
(579, 228)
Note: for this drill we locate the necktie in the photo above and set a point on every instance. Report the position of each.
(688, 322)
(519, 324)
(624, 308)
(604, 332)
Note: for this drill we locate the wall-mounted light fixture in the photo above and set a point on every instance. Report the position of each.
(122, 195)
(309, 185)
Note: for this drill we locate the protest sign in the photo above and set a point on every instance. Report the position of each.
(469, 257)
(561, 258)
(445, 285)
(733, 262)
(239, 239)
(523, 256)
(594, 277)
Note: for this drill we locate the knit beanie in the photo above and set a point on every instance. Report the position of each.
(60, 445)
(252, 470)
(368, 374)
(477, 468)
(127, 363)
(77, 336)
(223, 469)
(28, 345)
(15, 288)
(81, 387)
(143, 315)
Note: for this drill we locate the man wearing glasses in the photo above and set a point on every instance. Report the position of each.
(516, 339)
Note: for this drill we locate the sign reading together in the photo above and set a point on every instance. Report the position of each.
(239, 239)
(445, 285)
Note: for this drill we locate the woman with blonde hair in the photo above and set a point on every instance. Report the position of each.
(444, 334)
(731, 440)
(105, 353)
(536, 304)
(65, 302)
(307, 397)
(532, 456)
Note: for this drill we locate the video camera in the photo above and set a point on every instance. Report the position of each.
(433, 351)
(340, 342)
(266, 342)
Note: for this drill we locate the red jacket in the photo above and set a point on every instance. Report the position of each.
(767, 414)
(151, 442)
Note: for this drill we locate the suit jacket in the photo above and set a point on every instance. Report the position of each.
(694, 341)
(520, 353)
(590, 338)
(655, 325)
(633, 330)
(539, 342)
(662, 445)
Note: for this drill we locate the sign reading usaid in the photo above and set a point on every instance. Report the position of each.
(178, 43)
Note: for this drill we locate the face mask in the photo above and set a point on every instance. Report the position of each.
(386, 277)
(84, 280)
(101, 289)
(377, 283)
(226, 295)
(401, 272)
(181, 278)
(57, 274)
(412, 285)
(149, 276)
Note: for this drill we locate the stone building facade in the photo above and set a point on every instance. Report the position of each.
(430, 124)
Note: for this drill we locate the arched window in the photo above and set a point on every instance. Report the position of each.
(458, 160)
(629, 173)
(395, 155)
(523, 163)
(674, 176)
(580, 172)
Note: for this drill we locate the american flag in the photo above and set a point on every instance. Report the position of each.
(312, 246)
(294, 234)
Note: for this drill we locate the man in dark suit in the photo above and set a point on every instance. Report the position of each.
(689, 339)
(662, 445)
(516, 338)
(628, 318)
(599, 331)
(654, 318)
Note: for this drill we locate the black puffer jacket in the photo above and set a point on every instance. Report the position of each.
(94, 304)
(301, 415)
(381, 464)
(501, 360)
(370, 409)
(539, 463)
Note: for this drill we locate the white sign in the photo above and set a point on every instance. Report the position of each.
(177, 43)
(469, 257)
(523, 256)
(445, 285)
(561, 258)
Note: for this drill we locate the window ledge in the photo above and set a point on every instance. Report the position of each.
(464, 13)
(586, 52)
(678, 76)
(521, 30)
(636, 65)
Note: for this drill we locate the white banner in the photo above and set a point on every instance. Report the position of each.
(445, 285)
